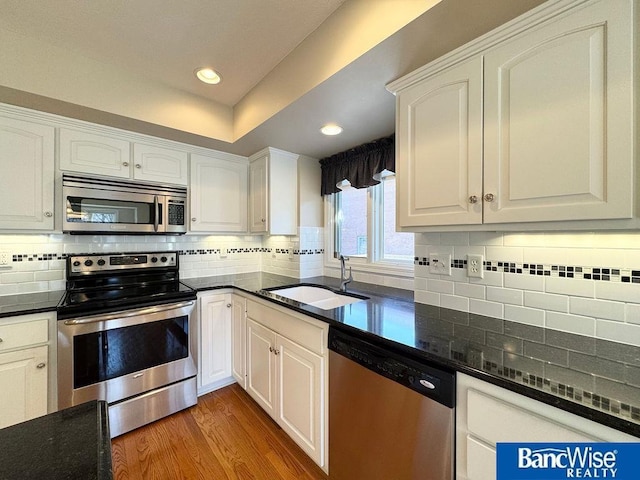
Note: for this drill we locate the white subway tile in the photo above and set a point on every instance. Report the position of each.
(49, 275)
(418, 283)
(57, 285)
(624, 240)
(455, 303)
(618, 332)
(18, 277)
(454, 238)
(494, 279)
(470, 291)
(428, 298)
(570, 286)
(530, 316)
(597, 308)
(571, 323)
(546, 301)
(427, 239)
(505, 254)
(632, 313)
(505, 295)
(524, 282)
(461, 252)
(524, 239)
(439, 286)
(623, 292)
(490, 309)
(486, 238)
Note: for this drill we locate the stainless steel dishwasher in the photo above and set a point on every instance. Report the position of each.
(390, 417)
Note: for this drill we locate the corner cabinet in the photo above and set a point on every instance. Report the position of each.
(273, 192)
(26, 182)
(218, 190)
(522, 419)
(24, 367)
(534, 122)
(286, 362)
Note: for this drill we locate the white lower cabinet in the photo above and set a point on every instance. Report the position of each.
(24, 367)
(487, 414)
(238, 339)
(214, 357)
(286, 374)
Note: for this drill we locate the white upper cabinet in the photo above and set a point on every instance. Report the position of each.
(85, 152)
(26, 183)
(159, 164)
(100, 154)
(532, 123)
(218, 189)
(273, 192)
(439, 164)
(558, 118)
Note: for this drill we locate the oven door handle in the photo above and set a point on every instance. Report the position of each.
(127, 313)
(156, 222)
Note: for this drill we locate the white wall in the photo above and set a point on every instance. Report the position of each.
(589, 282)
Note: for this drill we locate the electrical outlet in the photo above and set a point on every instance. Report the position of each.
(223, 253)
(474, 266)
(291, 254)
(5, 258)
(440, 263)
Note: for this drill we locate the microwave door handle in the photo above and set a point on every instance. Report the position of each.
(157, 213)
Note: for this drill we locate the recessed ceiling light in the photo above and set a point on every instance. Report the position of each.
(331, 129)
(208, 75)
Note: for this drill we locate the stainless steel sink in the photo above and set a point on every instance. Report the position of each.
(316, 296)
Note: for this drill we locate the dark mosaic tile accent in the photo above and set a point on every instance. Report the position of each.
(607, 274)
(39, 257)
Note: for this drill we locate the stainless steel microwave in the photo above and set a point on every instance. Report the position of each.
(99, 205)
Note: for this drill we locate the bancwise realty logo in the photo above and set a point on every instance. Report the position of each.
(551, 461)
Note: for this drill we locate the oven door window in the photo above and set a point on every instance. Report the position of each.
(102, 210)
(108, 354)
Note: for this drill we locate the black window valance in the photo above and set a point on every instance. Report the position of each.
(358, 165)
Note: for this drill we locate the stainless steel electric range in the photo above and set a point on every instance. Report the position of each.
(126, 335)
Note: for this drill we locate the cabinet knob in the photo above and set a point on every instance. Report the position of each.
(1, 340)
(138, 165)
(228, 305)
(48, 214)
(276, 352)
(263, 220)
(125, 164)
(488, 197)
(41, 365)
(193, 219)
(271, 349)
(473, 199)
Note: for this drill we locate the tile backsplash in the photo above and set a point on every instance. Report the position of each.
(585, 283)
(37, 262)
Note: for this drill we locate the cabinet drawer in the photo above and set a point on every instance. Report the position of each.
(481, 460)
(16, 335)
(302, 332)
(493, 420)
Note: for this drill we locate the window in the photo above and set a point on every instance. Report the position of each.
(364, 225)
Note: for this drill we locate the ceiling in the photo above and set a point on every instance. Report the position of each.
(163, 41)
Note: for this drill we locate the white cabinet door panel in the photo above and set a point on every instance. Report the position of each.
(440, 149)
(259, 208)
(238, 336)
(23, 380)
(215, 339)
(218, 195)
(26, 182)
(300, 374)
(157, 164)
(557, 142)
(261, 366)
(94, 154)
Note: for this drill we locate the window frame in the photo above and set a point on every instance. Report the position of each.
(373, 263)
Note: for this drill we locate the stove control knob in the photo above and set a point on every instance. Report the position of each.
(76, 263)
(154, 259)
(88, 263)
(101, 262)
(163, 259)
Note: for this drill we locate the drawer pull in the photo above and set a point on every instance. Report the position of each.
(41, 365)
(1, 340)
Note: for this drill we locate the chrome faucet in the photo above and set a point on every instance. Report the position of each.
(343, 271)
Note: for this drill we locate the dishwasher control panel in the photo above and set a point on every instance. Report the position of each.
(428, 380)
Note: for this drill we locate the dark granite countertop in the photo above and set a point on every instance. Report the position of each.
(70, 444)
(28, 303)
(593, 378)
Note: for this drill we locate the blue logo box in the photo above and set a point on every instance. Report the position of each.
(551, 461)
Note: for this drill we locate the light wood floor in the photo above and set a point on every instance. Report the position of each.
(225, 436)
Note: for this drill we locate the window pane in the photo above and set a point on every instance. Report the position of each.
(352, 222)
(396, 246)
